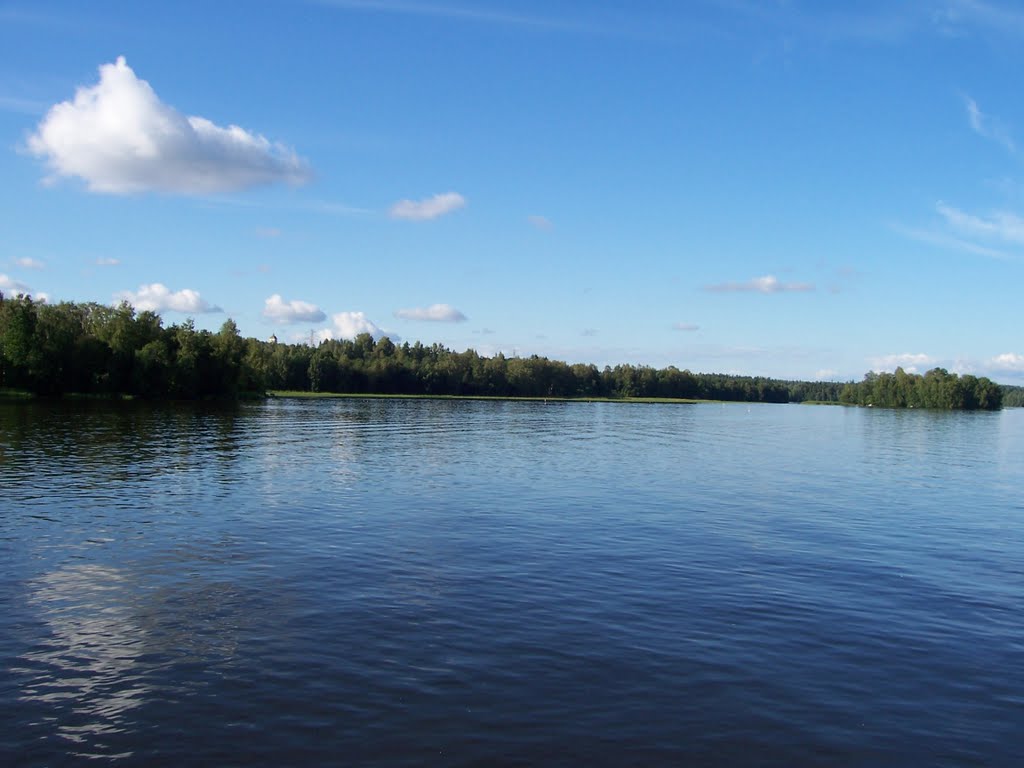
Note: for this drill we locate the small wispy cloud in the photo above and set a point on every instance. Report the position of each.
(277, 309)
(27, 262)
(268, 232)
(685, 327)
(589, 332)
(326, 207)
(469, 13)
(987, 126)
(439, 313)
(31, 16)
(1000, 225)
(765, 284)
(22, 106)
(333, 208)
(157, 297)
(908, 361)
(428, 208)
(948, 241)
(541, 222)
(107, 261)
(956, 15)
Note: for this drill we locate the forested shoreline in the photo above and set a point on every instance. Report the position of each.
(99, 350)
(935, 389)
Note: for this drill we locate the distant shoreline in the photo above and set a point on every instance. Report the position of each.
(92, 351)
(20, 395)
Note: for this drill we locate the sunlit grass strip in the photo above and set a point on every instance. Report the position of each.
(369, 396)
(6, 393)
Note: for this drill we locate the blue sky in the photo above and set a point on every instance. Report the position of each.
(794, 189)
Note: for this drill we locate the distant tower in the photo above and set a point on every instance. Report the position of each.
(272, 339)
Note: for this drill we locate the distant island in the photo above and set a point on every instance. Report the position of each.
(94, 349)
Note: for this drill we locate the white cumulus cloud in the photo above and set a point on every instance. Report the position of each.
(765, 284)
(908, 361)
(1008, 361)
(443, 313)
(120, 138)
(348, 325)
(157, 297)
(429, 208)
(27, 262)
(11, 286)
(277, 309)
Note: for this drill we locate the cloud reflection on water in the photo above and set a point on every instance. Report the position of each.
(87, 667)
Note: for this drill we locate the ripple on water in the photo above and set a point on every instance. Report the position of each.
(400, 582)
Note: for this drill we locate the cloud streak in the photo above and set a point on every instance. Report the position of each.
(157, 297)
(948, 241)
(438, 313)
(1000, 225)
(21, 106)
(453, 12)
(765, 284)
(120, 138)
(428, 208)
(987, 126)
(983, 15)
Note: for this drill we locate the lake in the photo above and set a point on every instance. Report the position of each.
(389, 582)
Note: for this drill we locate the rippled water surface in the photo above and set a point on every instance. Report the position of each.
(493, 583)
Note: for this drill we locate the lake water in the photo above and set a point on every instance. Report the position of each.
(386, 582)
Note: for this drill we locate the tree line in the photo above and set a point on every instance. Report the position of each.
(938, 388)
(88, 348)
(1013, 397)
(53, 349)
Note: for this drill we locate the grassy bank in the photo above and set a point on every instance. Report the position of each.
(15, 394)
(366, 396)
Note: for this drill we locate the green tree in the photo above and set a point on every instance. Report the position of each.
(228, 351)
(18, 356)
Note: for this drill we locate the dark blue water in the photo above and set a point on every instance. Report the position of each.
(367, 582)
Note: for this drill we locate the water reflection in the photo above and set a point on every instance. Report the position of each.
(100, 444)
(117, 647)
(86, 668)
